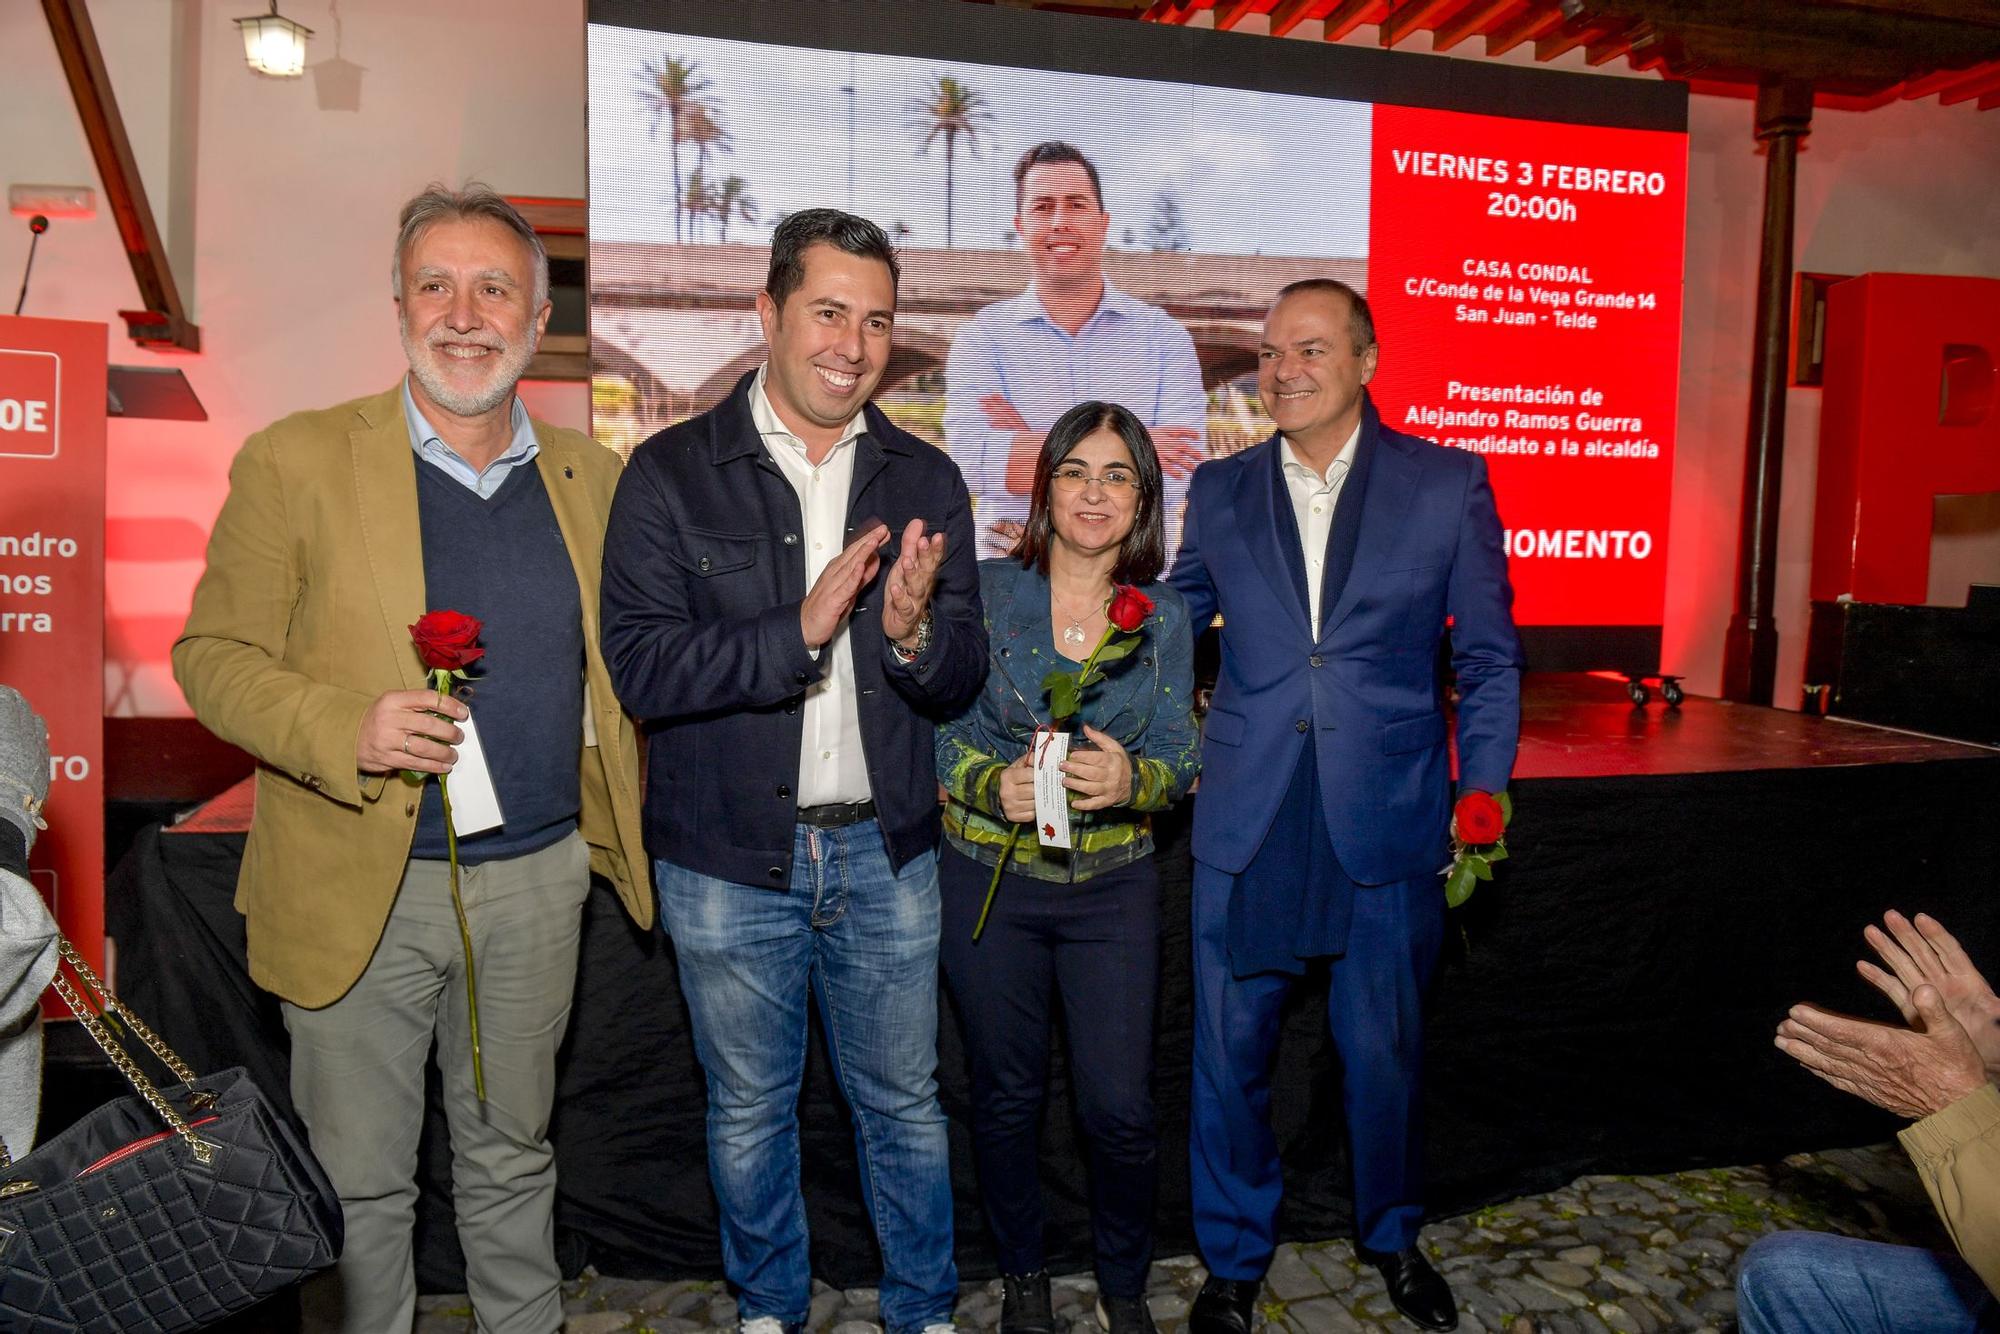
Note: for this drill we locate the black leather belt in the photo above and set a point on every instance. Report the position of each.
(837, 817)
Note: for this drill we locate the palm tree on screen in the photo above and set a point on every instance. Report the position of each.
(701, 126)
(731, 202)
(951, 112)
(670, 88)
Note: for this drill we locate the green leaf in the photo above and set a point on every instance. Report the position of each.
(1506, 805)
(1064, 697)
(1480, 866)
(1055, 675)
(1458, 885)
(1116, 649)
(1496, 853)
(1089, 678)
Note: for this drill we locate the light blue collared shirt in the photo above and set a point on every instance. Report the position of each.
(1128, 352)
(432, 449)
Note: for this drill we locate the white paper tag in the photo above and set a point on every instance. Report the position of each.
(475, 806)
(1051, 797)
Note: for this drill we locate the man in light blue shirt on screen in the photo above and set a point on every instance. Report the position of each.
(1021, 363)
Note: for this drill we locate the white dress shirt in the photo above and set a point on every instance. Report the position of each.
(832, 766)
(1314, 496)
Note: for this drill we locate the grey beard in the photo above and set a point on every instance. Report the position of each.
(513, 362)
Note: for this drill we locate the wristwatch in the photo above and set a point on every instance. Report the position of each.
(908, 655)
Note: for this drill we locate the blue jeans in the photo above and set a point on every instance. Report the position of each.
(862, 940)
(1816, 1283)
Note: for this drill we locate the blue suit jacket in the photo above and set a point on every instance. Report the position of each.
(1363, 693)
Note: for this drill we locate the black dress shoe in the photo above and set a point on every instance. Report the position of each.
(1224, 1306)
(1025, 1305)
(1418, 1290)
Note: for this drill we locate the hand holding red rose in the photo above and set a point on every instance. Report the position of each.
(1477, 819)
(1478, 839)
(401, 730)
(1017, 791)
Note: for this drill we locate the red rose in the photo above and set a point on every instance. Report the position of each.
(447, 640)
(1477, 819)
(1129, 608)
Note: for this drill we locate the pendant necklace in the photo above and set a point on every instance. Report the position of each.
(1075, 634)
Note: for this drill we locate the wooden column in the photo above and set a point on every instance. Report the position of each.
(1750, 651)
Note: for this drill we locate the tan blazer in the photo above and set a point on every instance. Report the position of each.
(315, 573)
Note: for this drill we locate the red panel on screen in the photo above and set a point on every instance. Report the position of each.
(1526, 284)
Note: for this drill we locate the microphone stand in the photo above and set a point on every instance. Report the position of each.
(36, 226)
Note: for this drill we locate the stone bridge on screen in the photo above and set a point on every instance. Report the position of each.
(677, 324)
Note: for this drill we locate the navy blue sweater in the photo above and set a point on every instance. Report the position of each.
(503, 560)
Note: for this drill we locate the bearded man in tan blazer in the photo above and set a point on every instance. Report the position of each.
(341, 529)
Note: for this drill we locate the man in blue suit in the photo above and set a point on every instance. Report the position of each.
(1335, 551)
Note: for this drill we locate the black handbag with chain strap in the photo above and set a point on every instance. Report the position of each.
(164, 1210)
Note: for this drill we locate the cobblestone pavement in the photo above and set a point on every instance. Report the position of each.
(1633, 1254)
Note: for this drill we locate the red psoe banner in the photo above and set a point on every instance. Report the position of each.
(1547, 258)
(52, 594)
(1911, 412)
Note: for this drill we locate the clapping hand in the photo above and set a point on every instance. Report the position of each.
(907, 591)
(833, 593)
(1923, 953)
(1911, 1071)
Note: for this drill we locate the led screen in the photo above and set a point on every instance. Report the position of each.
(1518, 234)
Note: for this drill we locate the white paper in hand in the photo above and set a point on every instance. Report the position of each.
(475, 806)
(1051, 797)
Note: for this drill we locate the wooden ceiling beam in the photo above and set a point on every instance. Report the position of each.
(163, 326)
(1407, 16)
(1933, 43)
(1695, 50)
(1934, 82)
(1346, 16)
(1980, 82)
(1538, 18)
(1474, 18)
(1572, 34)
(1979, 12)
(1227, 17)
(1292, 13)
(1608, 49)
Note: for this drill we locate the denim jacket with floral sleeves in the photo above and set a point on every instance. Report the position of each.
(1145, 701)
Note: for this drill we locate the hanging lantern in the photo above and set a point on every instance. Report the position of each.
(274, 44)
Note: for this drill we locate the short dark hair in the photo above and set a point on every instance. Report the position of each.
(1055, 150)
(1360, 320)
(823, 226)
(1143, 553)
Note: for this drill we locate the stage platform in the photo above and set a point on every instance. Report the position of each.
(1581, 726)
(1678, 878)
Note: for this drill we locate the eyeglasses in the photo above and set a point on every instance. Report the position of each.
(1117, 481)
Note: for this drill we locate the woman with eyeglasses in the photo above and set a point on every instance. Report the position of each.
(1082, 922)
